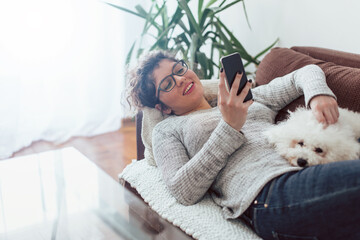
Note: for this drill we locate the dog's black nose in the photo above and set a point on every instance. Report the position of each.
(302, 162)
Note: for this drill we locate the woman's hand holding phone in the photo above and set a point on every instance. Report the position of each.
(232, 65)
(232, 106)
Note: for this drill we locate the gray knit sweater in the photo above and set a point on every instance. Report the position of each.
(200, 153)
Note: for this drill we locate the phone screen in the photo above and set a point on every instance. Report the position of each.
(232, 64)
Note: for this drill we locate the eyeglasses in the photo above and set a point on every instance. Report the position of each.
(168, 83)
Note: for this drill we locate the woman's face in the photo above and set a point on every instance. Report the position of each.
(187, 94)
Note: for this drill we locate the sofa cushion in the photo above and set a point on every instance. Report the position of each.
(344, 81)
(329, 55)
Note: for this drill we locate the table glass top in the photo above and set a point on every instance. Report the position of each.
(63, 195)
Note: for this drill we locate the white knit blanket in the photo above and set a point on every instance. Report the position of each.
(201, 221)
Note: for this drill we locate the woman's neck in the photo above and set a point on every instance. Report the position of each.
(202, 105)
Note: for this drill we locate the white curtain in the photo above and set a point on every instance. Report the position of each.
(61, 71)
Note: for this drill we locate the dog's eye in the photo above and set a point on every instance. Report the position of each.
(318, 150)
(301, 143)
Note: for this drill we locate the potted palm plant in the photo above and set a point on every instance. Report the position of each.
(198, 36)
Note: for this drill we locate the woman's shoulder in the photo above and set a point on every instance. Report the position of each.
(167, 120)
(168, 123)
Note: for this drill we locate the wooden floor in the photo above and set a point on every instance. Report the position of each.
(110, 151)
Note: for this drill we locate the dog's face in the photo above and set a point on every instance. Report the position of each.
(305, 153)
(304, 142)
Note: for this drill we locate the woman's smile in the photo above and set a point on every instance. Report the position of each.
(189, 88)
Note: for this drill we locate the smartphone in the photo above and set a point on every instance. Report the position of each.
(233, 64)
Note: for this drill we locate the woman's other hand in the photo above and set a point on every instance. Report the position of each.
(232, 106)
(325, 109)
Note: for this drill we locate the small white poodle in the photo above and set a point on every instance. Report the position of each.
(303, 141)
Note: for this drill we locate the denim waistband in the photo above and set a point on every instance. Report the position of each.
(260, 199)
(247, 216)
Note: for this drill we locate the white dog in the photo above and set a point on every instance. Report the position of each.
(303, 141)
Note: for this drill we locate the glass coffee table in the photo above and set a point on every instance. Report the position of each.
(63, 195)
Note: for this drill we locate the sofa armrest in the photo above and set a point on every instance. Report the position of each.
(340, 68)
(341, 58)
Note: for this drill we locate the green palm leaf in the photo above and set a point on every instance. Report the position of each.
(200, 41)
(126, 10)
(267, 49)
(128, 56)
(192, 22)
(246, 15)
(227, 6)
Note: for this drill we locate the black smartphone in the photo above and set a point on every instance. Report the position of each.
(233, 64)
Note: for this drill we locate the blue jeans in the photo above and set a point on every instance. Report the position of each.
(318, 202)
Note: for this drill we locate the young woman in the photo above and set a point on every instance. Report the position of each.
(221, 151)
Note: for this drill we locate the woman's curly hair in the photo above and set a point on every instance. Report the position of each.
(141, 90)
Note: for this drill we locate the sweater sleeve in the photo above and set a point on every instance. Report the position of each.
(189, 179)
(309, 81)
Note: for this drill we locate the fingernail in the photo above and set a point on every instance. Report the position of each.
(250, 81)
(221, 69)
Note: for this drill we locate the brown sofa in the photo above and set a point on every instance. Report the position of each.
(342, 71)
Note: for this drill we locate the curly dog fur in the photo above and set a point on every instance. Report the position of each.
(303, 141)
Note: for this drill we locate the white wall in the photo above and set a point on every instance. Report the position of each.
(321, 23)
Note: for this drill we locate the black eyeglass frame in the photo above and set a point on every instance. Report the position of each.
(183, 63)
